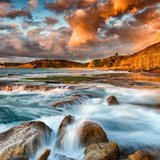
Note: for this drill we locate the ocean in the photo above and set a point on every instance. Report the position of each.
(130, 125)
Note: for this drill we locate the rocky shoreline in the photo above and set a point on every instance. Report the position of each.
(23, 141)
(127, 80)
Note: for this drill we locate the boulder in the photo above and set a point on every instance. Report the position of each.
(112, 100)
(102, 151)
(45, 155)
(23, 140)
(90, 132)
(62, 128)
(140, 155)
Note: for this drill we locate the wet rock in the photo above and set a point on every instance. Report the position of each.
(12, 87)
(36, 87)
(45, 155)
(62, 128)
(155, 106)
(62, 157)
(102, 151)
(19, 158)
(140, 155)
(112, 100)
(23, 140)
(89, 95)
(72, 99)
(90, 132)
(69, 100)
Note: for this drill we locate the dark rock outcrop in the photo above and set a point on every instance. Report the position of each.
(24, 139)
(70, 100)
(62, 128)
(45, 155)
(74, 98)
(90, 132)
(112, 100)
(102, 151)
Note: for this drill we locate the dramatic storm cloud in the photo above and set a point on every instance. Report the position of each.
(77, 29)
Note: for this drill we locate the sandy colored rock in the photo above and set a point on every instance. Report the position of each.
(45, 155)
(112, 100)
(23, 140)
(90, 132)
(102, 151)
(140, 155)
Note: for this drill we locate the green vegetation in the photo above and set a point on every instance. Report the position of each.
(64, 79)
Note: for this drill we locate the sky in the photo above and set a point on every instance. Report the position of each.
(78, 30)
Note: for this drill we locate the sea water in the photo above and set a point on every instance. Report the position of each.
(131, 126)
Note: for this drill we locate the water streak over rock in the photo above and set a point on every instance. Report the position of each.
(62, 128)
(24, 139)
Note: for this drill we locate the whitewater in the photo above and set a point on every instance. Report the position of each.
(131, 125)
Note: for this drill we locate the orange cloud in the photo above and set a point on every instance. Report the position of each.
(86, 22)
(32, 4)
(4, 8)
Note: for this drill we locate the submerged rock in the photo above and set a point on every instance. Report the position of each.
(140, 155)
(63, 157)
(112, 100)
(19, 158)
(45, 155)
(62, 128)
(23, 140)
(102, 151)
(90, 132)
(72, 99)
(89, 95)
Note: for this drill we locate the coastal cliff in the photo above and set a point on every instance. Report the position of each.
(146, 60)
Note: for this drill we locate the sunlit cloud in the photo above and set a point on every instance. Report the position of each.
(77, 30)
